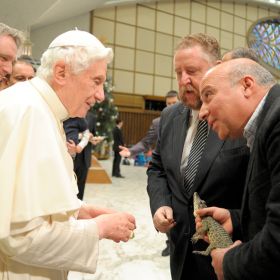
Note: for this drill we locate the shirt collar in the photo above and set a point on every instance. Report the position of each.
(50, 97)
(194, 114)
(251, 126)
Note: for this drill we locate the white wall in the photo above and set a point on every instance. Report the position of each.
(42, 37)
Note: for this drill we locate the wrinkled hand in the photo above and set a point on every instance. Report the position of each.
(221, 215)
(218, 257)
(88, 211)
(124, 151)
(117, 227)
(163, 219)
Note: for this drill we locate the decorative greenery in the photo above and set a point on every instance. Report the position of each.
(106, 113)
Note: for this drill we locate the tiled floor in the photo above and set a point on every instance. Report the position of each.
(140, 258)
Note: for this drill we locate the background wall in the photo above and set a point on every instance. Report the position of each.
(143, 37)
(41, 37)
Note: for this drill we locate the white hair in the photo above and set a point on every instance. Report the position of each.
(77, 57)
(17, 35)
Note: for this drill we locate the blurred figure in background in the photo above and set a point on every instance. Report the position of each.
(240, 53)
(151, 136)
(118, 141)
(22, 71)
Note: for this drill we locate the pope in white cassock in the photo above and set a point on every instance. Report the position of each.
(44, 229)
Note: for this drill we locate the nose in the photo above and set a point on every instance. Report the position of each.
(203, 112)
(7, 68)
(185, 78)
(99, 96)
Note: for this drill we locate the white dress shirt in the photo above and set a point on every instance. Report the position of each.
(192, 128)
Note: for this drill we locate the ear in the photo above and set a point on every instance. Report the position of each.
(218, 62)
(247, 83)
(60, 72)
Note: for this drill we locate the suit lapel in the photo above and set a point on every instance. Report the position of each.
(178, 137)
(270, 99)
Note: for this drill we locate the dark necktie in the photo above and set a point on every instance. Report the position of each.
(195, 154)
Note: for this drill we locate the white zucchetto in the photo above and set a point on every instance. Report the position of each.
(78, 38)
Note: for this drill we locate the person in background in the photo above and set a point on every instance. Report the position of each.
(240, 97)
(45, 229)
(151, 136)
(77, 135)
(147, 142)
(22, 71)
(118, 141)
(82, 161)
(240, 53)
(177, 169)
(11, 40)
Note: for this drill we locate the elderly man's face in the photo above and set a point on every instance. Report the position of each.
(190, 66)
(222, 105)
(85, 88)
(8, 52)
(21, 72)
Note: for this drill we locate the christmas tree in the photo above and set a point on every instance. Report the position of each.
(106, 113)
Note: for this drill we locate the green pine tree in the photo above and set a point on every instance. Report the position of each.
(106, 113)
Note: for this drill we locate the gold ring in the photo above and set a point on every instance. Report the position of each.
(131, 235)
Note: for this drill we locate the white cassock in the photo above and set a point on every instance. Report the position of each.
(40, 237)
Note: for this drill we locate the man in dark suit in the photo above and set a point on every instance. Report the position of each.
(82, 160)
(240, 97)
(147, 142)
(222, 167)
(118, 141)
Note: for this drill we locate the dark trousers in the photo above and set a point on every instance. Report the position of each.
(81, 171)
(116, 164)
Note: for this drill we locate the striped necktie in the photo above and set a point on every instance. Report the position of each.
(195, 154)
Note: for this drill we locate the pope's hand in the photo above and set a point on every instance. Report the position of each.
(117, 227)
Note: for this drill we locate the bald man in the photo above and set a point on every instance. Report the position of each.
(240, 97)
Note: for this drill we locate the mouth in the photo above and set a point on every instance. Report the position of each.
(90, 104)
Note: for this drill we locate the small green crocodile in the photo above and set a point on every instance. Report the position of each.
(217, 235)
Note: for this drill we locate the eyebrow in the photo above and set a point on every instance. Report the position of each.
(207, 88)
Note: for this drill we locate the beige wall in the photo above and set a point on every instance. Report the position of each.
(143, 37)
(41, 37)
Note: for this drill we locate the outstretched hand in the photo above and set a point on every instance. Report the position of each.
(117, 226)
(124, 151)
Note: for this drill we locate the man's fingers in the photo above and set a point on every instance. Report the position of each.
(205, 211)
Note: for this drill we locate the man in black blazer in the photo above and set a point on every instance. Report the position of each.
(221, 171)
(118, 141)
(147, 142)
(240, 97)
